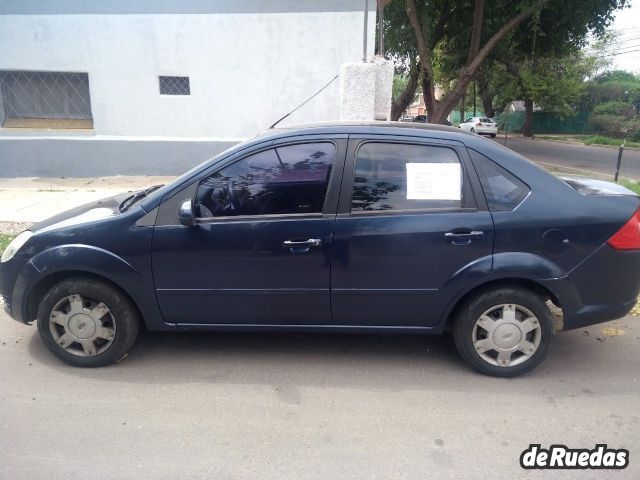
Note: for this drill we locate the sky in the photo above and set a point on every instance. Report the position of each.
(627, 23)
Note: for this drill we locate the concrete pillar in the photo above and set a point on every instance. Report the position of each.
(365, 90)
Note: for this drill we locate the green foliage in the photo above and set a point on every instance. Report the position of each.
(600, 140)
(607, 124)
(4, 241)
(400, 82)
(633, 186)
(617, 76)
(555, 32)
(614, 107)
(614, 99)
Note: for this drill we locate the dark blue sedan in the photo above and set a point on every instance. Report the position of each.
(379, 227)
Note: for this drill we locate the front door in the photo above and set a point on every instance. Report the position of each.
(260, 251)
(410, 228)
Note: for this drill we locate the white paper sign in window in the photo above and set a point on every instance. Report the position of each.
(434, 181)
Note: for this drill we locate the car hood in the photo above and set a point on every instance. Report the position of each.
(106, 207)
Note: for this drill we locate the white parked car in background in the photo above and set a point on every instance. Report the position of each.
(481, 126)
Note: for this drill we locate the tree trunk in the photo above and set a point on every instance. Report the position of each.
(527, 128)
(487, 105)
(440, 109)
(407, 95)
(484, 91)
(463, 104)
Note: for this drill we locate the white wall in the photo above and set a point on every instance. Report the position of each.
(245, 69)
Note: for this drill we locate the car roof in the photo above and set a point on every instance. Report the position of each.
(364, 127)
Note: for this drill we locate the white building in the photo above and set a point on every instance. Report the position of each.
(154, 86)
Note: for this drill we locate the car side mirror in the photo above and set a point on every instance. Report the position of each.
(185, 214)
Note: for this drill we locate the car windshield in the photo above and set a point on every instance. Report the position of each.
(486, 120)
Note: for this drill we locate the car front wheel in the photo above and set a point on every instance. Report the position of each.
(503, 332)
(87, 323)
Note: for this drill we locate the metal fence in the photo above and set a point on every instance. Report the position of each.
(544, 122)
(41, 98)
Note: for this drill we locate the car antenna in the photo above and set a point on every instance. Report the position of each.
(304, 103)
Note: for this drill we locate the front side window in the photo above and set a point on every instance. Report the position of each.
(394, 176)
(286, 180)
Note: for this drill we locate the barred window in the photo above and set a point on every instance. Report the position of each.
(45, 99)
(174, 86)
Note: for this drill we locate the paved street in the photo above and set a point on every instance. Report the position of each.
(576, 157)
(290, 406)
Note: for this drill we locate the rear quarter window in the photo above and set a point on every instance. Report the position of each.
(502, 189)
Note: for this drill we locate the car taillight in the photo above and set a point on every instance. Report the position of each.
(479, 124)
(628, 237)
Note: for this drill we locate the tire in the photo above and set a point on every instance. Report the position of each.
(493, 135)
(87, 323)
(495, 342)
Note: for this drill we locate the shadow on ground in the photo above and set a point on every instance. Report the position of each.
(372, 362)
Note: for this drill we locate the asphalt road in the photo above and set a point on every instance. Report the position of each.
(290, 406)
(573, 157)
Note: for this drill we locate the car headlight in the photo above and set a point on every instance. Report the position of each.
(15, 245)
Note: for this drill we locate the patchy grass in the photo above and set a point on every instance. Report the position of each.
(4, 241)
(614, 142)
(563, 137)
(589, 140)
(631, 185)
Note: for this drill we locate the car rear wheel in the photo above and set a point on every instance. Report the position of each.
(87, 323)
(493, 135)
(503, 332)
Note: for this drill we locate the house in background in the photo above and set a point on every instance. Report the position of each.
(418, 107)
(153, 87)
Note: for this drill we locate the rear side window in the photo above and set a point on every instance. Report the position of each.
(394, 176)
(502, 190)
(284, 180)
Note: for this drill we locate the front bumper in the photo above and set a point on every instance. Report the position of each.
(17, 277)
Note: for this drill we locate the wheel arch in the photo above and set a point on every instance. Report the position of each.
(66, 261)
(40, 288)
(506, 282)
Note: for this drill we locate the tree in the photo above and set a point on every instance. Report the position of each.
(448, 42)
(614, 104)
(476, 54)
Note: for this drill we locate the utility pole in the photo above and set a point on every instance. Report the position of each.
(381, 28)
(364, 37)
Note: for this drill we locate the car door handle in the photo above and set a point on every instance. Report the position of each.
(464, 238)
(301, 246)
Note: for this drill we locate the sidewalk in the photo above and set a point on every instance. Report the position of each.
(29, 200)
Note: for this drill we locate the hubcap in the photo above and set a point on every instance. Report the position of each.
(82, 326)
(506, 335)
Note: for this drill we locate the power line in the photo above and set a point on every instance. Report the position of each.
(619, 53)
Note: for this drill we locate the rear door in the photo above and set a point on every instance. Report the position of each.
(412, 230)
